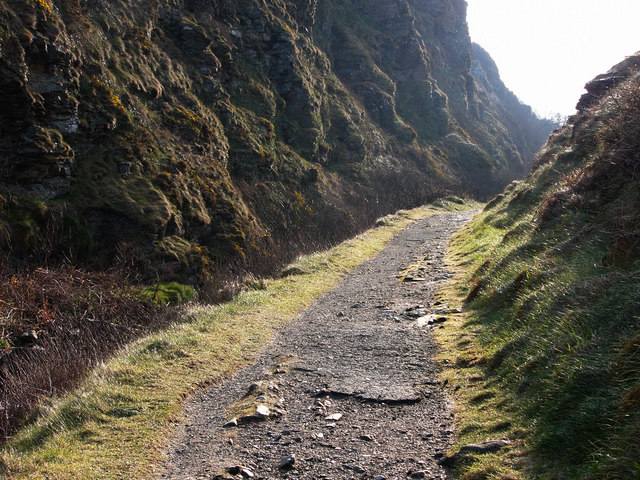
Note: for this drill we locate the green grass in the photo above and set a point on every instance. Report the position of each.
(117, 422)
(170, 293)
(547, 353)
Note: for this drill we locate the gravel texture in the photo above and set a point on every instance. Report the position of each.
(349, 390)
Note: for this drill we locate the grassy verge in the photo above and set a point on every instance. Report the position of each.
(116, 424)
(482, 408)
(547, 353)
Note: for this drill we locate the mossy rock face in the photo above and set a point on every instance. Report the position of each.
(215, 122)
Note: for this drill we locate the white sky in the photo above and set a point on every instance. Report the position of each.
(547, 50)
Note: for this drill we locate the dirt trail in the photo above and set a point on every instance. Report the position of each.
(350, 387)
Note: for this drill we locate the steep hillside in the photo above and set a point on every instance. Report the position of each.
(522, 124)
(554, 297)
(181, 134)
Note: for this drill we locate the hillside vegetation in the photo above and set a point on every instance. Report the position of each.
(189, 136)
(551, 344)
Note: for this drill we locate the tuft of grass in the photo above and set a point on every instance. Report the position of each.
(117, 422)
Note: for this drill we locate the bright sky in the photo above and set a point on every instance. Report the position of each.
(547, 50)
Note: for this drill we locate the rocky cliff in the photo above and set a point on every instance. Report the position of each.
(186, 133)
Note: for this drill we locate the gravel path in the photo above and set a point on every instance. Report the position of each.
(347, 391)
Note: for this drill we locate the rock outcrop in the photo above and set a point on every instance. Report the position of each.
(193, 131)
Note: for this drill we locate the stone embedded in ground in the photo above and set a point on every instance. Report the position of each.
(287, 462)
(302, 368)
(366, 438)
(246, 473)
(411, 278)
(489, 446)
(358, 469)
(415, 307)
(231, 423)
(430, 319)
(253, 387)
(416, 312)
(425, 320)
(419, 474)
(334, 417)
(235, 470)
(263, 411)
(375, 390)
(379, 477)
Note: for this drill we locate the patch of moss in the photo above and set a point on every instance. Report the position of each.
(170, 293)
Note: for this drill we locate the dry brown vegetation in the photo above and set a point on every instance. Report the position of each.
(57, 323)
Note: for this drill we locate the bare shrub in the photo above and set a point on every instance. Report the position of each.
(55, 324)
(620, 135)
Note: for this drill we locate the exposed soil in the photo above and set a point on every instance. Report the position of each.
(350, 387)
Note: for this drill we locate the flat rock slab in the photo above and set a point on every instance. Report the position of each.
(374, 391)
(360, 392)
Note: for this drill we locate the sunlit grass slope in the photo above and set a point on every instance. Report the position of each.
(116, 424)
(548, 353)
